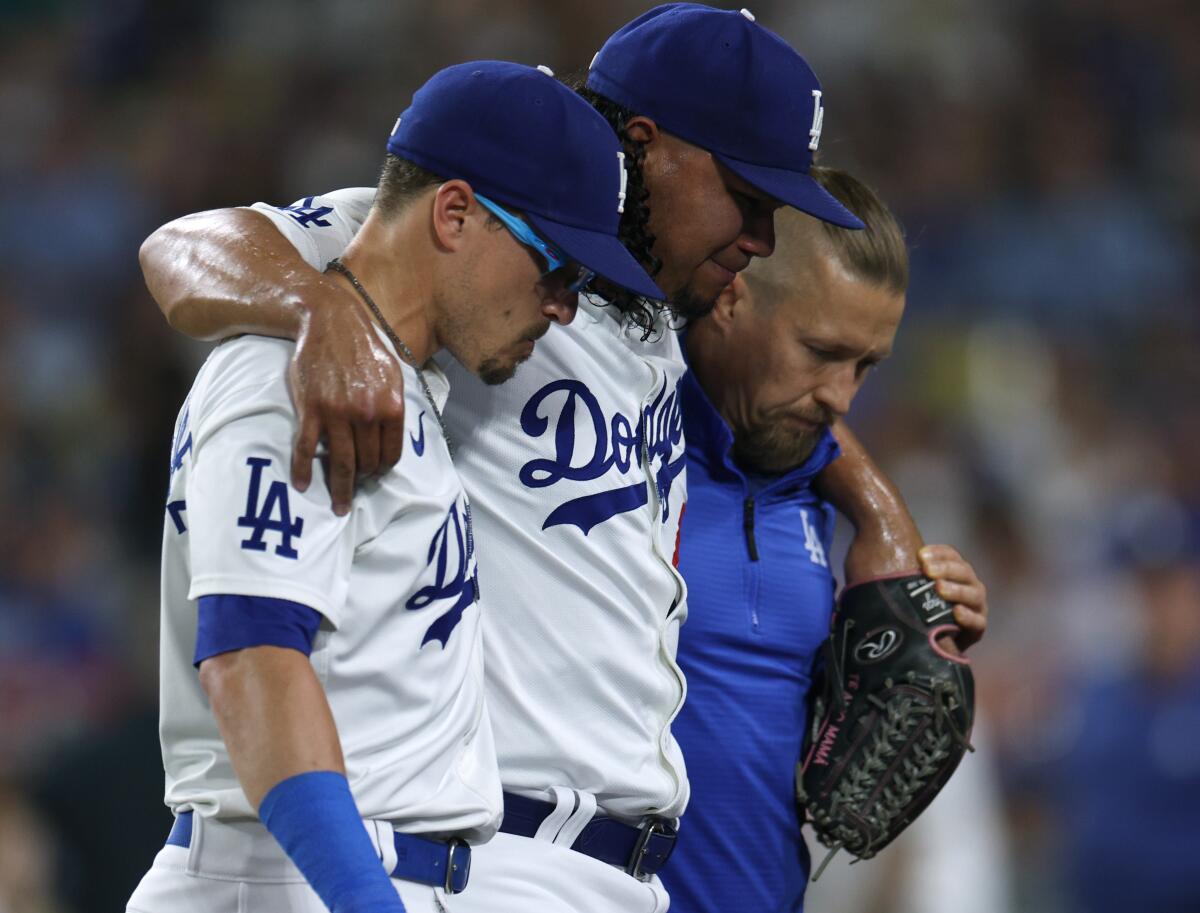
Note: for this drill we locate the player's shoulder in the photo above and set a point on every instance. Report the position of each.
(351, 200)
(350, 204)
(320, 227)
(246, 373)
(249, 359)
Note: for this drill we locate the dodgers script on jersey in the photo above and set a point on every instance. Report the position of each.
(399, 650)
(575, 470)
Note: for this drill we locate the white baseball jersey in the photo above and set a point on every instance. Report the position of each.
(398, 650)
(575, 470)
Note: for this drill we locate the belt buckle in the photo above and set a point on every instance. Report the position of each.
(647, 829)
(453, 844)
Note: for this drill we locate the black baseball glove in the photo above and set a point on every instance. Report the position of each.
(892, 716)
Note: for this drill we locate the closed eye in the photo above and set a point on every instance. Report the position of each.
(823, 354)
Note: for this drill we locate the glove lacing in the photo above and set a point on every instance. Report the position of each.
(902, 715)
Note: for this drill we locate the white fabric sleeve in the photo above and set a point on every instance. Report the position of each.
(250, 532)
(320, 227)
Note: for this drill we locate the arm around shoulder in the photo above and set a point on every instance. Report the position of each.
(229, 271)
(232, 271)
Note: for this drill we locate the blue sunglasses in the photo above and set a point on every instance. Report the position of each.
(555, 258)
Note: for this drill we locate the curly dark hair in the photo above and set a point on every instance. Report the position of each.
(634, 230)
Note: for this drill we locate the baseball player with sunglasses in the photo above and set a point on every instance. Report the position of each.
(324, 731)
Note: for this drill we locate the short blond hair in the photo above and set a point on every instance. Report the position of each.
(876, 254)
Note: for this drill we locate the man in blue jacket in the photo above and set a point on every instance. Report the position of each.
(773, 368)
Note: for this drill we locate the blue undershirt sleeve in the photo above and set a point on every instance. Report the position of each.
(227, 622)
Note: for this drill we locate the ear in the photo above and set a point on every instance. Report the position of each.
(732, 304)
(642, 129)
(453, 204)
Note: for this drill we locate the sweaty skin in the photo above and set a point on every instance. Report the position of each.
(887, 540)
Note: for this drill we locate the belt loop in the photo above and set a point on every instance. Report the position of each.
(564, 806)
(384, 839)
(196, 844)
(580, 818)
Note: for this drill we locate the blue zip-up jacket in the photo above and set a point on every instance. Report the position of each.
(760, 595)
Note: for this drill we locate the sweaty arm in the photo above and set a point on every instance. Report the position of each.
(887, 541)
(232, 271)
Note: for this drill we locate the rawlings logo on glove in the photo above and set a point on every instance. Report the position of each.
(891, 719)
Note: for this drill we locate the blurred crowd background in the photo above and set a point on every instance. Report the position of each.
(1040, 412)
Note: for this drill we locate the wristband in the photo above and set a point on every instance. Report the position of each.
(314, 818)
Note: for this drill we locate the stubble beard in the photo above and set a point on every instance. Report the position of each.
(773, 448)
(494, 372)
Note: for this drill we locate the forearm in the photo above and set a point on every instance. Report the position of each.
(281, 738)
(887, 539)
(273, 716)
(229, 271)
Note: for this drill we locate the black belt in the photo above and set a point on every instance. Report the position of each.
(639, 850)
(444, 865)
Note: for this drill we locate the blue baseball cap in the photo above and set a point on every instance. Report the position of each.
(721, 81)
(519, 136)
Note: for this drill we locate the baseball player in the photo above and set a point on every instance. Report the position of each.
(575, 469)
(773, 366)
(336, 733)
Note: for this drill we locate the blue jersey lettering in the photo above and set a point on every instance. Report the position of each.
(659, 429)
(262, 518)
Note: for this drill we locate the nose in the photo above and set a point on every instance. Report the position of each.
(837, 390)
(561, 306)
(758, 235)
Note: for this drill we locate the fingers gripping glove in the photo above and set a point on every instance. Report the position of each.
(891, 718)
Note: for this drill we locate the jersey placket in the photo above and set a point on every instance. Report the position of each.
(655, 508)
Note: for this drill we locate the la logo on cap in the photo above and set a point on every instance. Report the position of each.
(818, 121)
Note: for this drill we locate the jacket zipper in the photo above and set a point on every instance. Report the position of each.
(748, 527)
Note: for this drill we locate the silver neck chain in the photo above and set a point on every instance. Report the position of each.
(339, 267)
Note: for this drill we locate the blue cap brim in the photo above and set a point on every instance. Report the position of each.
(795, 188)
(600, 252)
